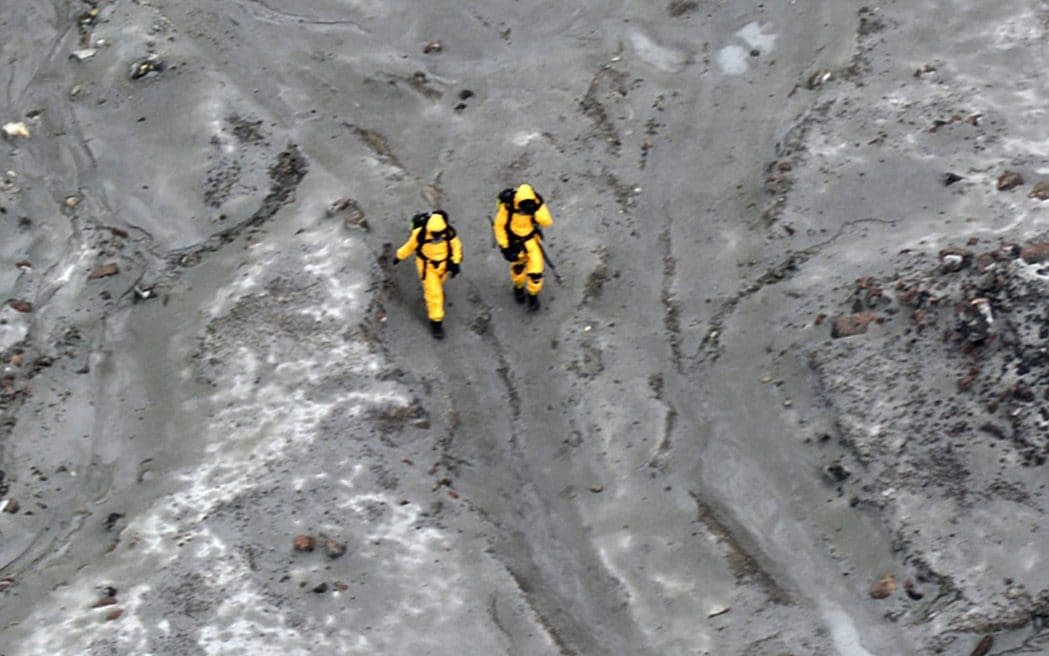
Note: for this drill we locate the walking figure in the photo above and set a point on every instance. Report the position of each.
(438, 252)
(518, 231)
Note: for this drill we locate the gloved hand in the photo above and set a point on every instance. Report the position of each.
(453, 269)
(509, 253)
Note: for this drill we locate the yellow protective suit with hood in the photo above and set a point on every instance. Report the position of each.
(517, 226)
(438, 252)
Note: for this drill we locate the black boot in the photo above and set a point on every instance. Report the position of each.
(437, 329)
(519, 294)
(533, 302)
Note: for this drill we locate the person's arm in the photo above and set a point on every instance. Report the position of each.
(499, 227)
(543, 218)
(457, 250)
(409, 246)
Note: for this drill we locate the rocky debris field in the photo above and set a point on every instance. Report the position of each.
(938, 375)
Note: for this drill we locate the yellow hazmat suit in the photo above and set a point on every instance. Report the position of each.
(438, 252)
(517, 227)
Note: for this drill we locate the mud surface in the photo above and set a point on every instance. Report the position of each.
(789, 397)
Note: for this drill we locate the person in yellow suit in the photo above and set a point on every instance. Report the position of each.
(518, 227)
(438, 252)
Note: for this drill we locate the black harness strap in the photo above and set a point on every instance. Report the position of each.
(514, 240)
(446, 235)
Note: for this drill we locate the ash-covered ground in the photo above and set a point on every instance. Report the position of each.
(789, 397)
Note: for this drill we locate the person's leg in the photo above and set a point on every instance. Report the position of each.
(433, 292)
(517, 277)
(533, 273)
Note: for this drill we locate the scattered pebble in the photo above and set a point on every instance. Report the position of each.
(83, 53)
(1009, 180)
(11, 506)
(105, 601)
(847, 325)
(818, 78)
(149, 65)
(720, 610)
(20, 305)
(12, 130)
(597, 488)
(432, 47)
(883, 587)
(320, 588)
(103, 271)
(304, 543)
(333, 548)
(1035, 253)
(837, 472)
(1040, 190)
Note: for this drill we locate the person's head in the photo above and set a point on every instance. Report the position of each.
(526, 200)
(438, 221)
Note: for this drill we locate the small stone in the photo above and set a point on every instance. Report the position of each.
(84, 53)
(333, 548)
(11, 506)
(111, 520)
(950, 178)
(720, 610)
(342, 587)
(1035, 253)
(103, 271)
(6, 583)
(818, 78)
(432, 47)
(114, 614)
(847, 325)
(954, 259)
(20, 305)
(320, 588)
(304, 543)
(837, 472)
(16, 360)
(597, 488)
(883, 587)
(1009, 180)
(1040, 190)
(24, 264)
(466, 94)
(149, 65)
(12, 130)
